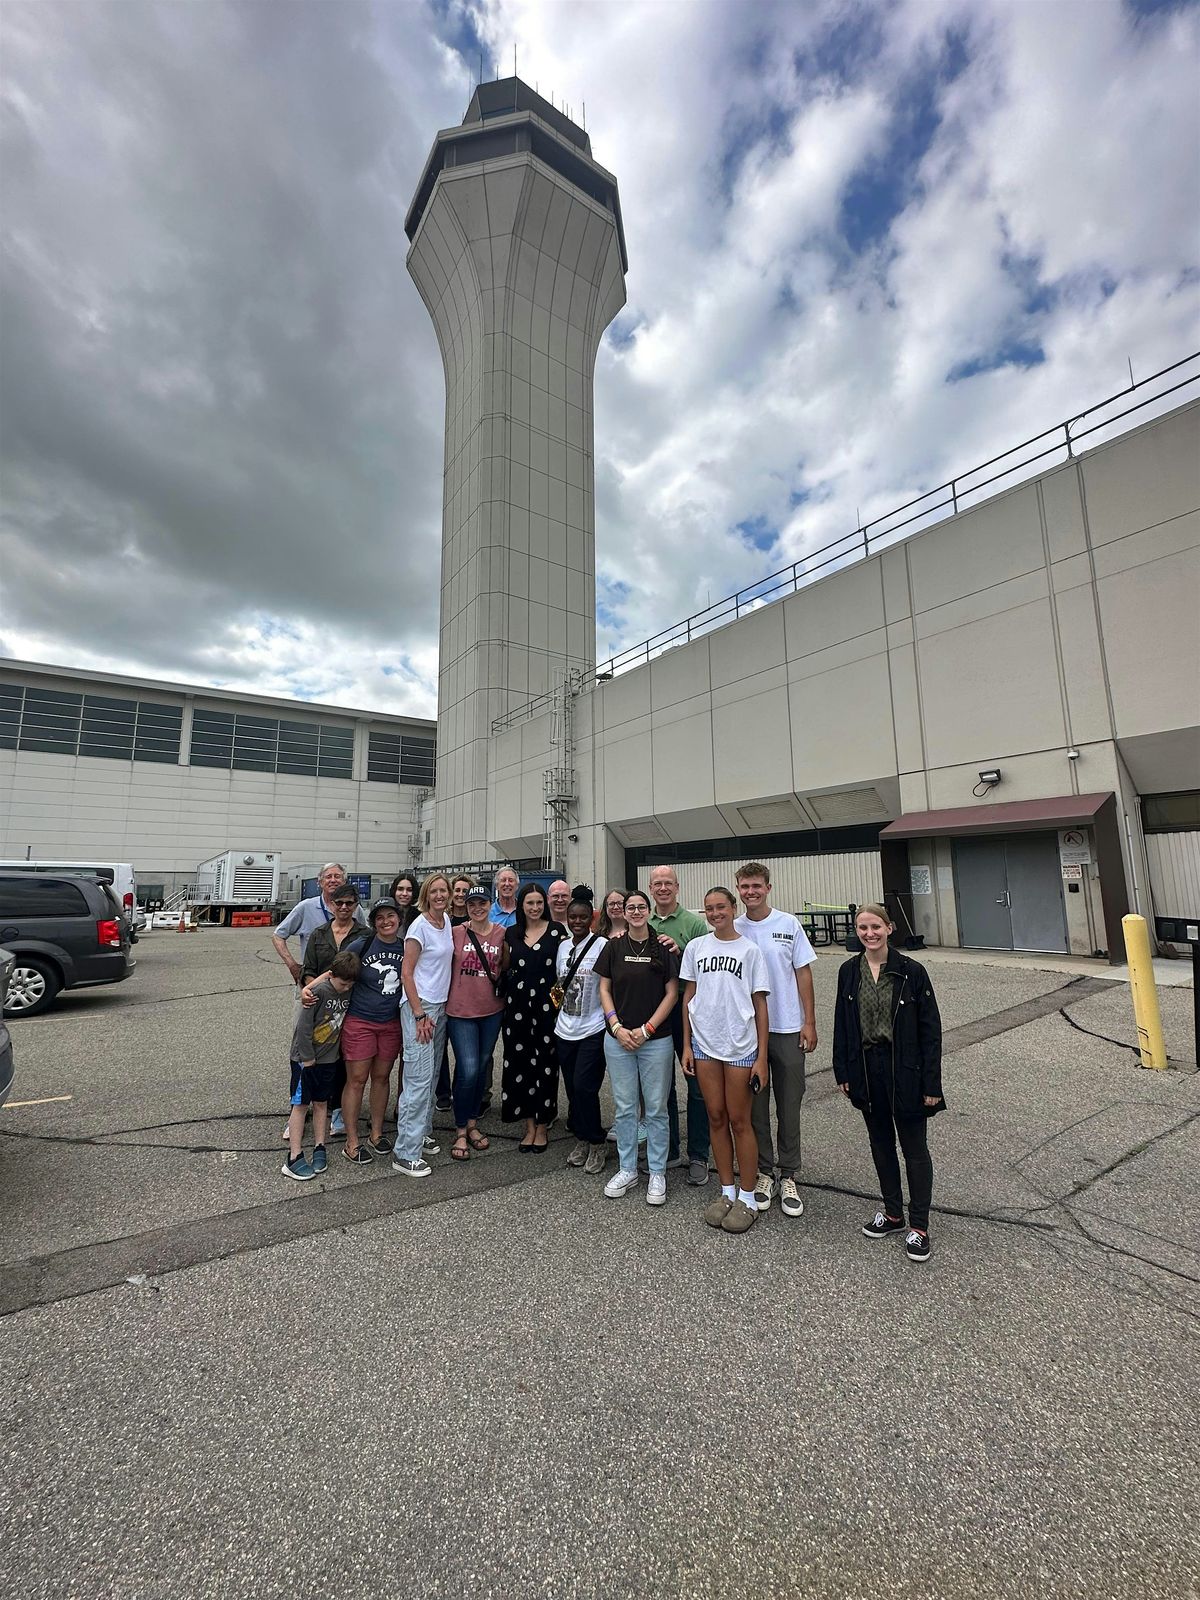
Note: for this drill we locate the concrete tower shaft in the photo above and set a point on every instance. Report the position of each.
(518, 252)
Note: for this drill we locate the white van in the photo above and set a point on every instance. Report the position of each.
(120, 877)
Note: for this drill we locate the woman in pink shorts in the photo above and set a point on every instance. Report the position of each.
(371, 1032)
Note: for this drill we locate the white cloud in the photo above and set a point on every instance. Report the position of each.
(224, 402)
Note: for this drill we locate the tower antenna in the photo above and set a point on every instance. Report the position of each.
(481, 66)
(514, 58)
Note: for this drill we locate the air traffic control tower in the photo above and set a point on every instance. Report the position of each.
(518, 251)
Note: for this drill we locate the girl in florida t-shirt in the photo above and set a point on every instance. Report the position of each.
(725, 1047)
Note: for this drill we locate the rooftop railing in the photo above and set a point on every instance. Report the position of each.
(1054, 446)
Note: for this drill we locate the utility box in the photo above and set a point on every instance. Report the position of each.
(236, 880)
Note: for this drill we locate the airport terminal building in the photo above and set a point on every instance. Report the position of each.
(165, 775)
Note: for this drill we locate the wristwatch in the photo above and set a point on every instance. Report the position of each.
(419, 1016)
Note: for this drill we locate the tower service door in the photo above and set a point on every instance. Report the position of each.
(1009, 893)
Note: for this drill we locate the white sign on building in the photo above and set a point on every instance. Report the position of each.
(1073, 848)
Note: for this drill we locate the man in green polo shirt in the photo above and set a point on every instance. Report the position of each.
(675, 923)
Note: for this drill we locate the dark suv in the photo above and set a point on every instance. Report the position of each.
(63, 932)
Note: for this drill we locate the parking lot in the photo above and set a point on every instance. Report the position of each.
(496, 1382)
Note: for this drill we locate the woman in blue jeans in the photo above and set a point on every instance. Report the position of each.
(639, 985)
(474, 1013)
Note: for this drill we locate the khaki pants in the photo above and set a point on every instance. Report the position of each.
(786, 1061)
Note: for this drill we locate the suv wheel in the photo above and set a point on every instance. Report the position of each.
(32, 987)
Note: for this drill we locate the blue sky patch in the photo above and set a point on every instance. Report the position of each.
(758, 533)
(879, 191)
(1012, 353)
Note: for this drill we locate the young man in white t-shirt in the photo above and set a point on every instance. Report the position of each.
(793, 1032)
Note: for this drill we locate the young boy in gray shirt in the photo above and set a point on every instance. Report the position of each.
(316, 1051)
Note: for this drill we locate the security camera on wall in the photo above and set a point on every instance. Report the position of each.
(573, 837)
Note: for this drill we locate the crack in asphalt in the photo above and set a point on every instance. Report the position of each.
(88, 1268)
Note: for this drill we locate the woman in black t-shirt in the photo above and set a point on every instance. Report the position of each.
(639, 985)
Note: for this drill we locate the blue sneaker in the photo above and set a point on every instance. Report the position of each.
(337, 1126)
(641, 1133)
(320, 1160)
(298, 1169)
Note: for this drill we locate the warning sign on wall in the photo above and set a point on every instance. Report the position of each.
(1073, 847)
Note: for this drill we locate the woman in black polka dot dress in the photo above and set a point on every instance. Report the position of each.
(530, 1083)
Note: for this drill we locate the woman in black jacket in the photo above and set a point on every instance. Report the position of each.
(887, 1058)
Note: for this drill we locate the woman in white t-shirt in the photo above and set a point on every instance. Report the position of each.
(725, 1047)
(579, 1035)
(425, 977)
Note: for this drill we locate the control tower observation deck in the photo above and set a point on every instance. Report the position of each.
(517, 248)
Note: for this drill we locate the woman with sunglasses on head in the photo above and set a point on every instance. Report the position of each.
(725, 1029)
(529, 1087)
(639, 985)
(428, 959)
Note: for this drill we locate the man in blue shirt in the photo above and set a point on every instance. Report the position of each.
(504, 906)
(307, 915)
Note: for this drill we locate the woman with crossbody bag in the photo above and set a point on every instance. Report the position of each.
(474, 1011)
(579, 1035)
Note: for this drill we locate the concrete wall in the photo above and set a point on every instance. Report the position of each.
(1063, 614)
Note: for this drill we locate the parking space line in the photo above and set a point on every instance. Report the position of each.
(50, 1100)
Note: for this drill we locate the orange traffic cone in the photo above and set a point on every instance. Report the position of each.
(182, 928)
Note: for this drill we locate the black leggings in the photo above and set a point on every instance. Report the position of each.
(582, 1063)
(883, 1129)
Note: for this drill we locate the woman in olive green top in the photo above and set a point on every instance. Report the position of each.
(887, 1059)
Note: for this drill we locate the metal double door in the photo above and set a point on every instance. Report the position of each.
(1009, 893)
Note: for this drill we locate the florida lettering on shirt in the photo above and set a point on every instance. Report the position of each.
(720, 964)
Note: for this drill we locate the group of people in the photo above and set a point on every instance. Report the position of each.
(449, 967)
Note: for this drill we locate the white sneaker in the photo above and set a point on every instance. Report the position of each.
(789, 1198)
(764, 1188)
(656, 1190)
(620, 1184)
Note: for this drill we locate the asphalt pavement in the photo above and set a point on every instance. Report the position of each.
(498, 1383)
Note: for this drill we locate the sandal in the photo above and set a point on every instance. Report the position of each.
(477, 1140)
(459, 1150)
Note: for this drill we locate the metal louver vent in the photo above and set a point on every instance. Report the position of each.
(848, 805)
(252, 883)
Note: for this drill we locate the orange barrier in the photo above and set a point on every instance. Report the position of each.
(250, 919)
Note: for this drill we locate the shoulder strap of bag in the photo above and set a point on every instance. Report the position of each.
(484, 962)
(573, 966)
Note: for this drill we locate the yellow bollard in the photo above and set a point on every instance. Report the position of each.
(1145, 994)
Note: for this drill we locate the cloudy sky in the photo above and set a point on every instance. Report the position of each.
(869, 244)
